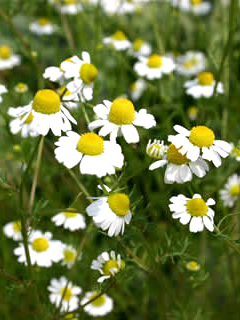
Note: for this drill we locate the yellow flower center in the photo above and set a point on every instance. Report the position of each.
(192, 111)
(119, 203)
(155, 61)
(119, 35)
(137, 44)
(99, 301)
(235, 152)
(193, 266)
(88, 73)
(110, 264)
(17, 226)
(70, 316)
(40, 244)
(70, 214)
(201, 136)
(47, 102)
(68, 2)
(69, 255)
(122, 112)
(190, 63)
(65, 90)
(196, 2)
(21, 87)
(155, 151)
(68, 294)
(205, 78)
(175, 157)
(66, 60)
(5, 52)
(90, 144)
(29, 118)
(43, 21)
(197, 207)
(234, 190)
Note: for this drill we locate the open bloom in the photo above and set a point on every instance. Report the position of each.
(48, 113)
(2, 90)
(118, 41)
(43, 251)
(203, 86)
(108, 265)
(140, 48)
(69, 296)
(69, 255)
(120, 118)
(154, 66)
(70, 220)
(96, 156)
(179, 167)
(231, 191)
(137, 88)
(200, 140)
(42, 27)
(191, 63)
(195, 210)
(71, 7)
(193, 266)
(13, 230)
(111, 212)
(98, 307)
(197, 7)
(7, 59)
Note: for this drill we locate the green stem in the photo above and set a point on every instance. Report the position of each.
(80, 185)
(231, 244)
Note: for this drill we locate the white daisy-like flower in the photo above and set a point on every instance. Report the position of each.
(195, 210)
(70, 300)
(111, 212)
(48, 113)
(13, 230)
(203, 86)
(235, 151)
(94, 155)
(156, 149)
(107, 265)
(98, 307)
(231, 191)
(200, 140)
(27, 128)
(84, 74)
(118, 41)
(191, 63)
(137, 88)
(199, 7)
(21, 87)
(192, 113)
(43, 251)
(140, 48)
(179, 167)
(69, 99)
(120, 118)
(154, 66)
(56, 74)
(70, 220)
(69, 255)
(42, 26)
(8, 60)
(3, 89)
(71, 7)
(193, 266)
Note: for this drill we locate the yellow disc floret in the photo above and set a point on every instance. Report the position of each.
(190, 63)
(68, 294)
(99, 301)
(122, 112)
(69, 255)
(21, 87)
(68, 2)
(196, 2)
(47, 102)
(201, 136)
(90, 144)
(70, 214)
(192, 112)
(155, 61)
(234, 190)
(5, 52)
(17, 226)
(137, 44)
(155, 150)
(193, 266)
(119, 203)
(40, 244)
(197, 207)
(43, 21)
(205, 79)
(88, 73)
(119, 35)
(108, 265)
(175, 157)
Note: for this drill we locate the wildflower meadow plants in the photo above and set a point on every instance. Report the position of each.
(120, 172)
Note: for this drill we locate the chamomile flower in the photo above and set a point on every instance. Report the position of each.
(94, 155)
(69, 99)
(42, 26)
(27, 128)
(200, 140)
(69, 255)
(154, 66)
(3, 90)
(13, 230)
(118, 41)
(140, 48)
(42, 249)
(69, 296)
(156, 149)
(120, 118)
(71, 7)
(21, 87)
(137, 88)
(84, 74)
(191, 63)
(111, 212)
(56, 74)
(235, 151)
(179, 167)
(231, 191)
(48, 113)
(8, 60)
(199, 7)
(108, 265)
(203, 86)
(193, 266)
(98, 307)
(195, 210)
(192, 113)
(70, 220)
